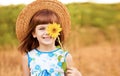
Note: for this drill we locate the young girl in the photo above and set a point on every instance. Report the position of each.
(40, 32)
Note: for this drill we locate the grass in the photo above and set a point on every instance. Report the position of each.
(10, 62)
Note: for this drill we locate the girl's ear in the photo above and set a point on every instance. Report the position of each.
(33, 34)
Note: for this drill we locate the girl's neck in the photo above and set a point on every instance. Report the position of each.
(47, 48)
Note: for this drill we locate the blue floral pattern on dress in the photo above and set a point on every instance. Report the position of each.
(51, 70)
(59, 64)
(47, 63)
(37, 67)
(44, 73)
(50, 54)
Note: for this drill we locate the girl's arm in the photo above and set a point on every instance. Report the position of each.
(71, 70)
(25, 68)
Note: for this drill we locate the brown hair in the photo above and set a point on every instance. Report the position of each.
(44, 16)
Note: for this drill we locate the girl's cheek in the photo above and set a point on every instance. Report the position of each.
(40, 31)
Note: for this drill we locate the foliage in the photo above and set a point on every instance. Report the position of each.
(8, 16)
(90, 14)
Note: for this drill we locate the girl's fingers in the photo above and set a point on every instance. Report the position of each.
(69, 70)
(73, 72)
(69, 61)
(70, 75)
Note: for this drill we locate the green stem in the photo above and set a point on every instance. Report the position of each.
(60, 42)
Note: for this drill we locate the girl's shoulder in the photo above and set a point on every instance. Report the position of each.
(31, 53)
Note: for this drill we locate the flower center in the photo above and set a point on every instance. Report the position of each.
(54, 30)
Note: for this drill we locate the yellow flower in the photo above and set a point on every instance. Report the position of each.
(54, 30)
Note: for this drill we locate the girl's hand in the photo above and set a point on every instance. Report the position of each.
(72, 72)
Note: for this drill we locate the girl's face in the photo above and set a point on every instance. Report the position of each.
(42, 36)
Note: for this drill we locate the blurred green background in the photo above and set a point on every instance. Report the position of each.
(104, 17)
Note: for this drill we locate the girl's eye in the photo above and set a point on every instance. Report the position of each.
(42, 28)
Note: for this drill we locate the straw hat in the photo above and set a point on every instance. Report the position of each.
(26, 14)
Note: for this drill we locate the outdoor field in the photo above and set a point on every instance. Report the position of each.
(94, 40)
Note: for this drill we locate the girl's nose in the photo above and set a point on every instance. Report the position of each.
(46, 33)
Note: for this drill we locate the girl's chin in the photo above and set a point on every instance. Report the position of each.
(49, 42)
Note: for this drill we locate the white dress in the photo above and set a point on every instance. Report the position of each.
(51, 63)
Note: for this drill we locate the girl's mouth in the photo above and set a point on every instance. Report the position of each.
(46, 37)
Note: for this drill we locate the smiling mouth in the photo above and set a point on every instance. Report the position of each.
(46, 37)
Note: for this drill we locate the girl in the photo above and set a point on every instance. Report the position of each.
(40, 54)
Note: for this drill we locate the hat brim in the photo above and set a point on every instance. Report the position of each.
(26, 14)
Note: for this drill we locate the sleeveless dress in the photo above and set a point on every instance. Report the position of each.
(51, 63)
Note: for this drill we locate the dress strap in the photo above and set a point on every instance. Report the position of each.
(29, 59)
(65, 55)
